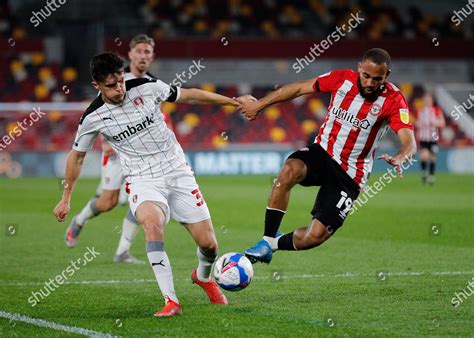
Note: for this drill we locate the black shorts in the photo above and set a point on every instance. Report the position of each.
(432, 146)
(337, 192)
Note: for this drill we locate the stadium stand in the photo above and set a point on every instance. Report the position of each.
(287, 18)
(32, 75)
(209, 127)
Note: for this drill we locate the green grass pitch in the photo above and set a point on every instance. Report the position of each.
(391, 270)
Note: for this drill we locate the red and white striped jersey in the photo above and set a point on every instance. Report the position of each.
(426, 126)
(354, 125)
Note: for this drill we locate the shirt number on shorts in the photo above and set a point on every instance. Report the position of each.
(198, 196)
(344, 202)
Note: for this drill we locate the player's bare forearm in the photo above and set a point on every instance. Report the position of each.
(74, 162)
(287, 93)
(198, 96)
(405, 153)
(408, 149)
(251, 108)
(73, 169)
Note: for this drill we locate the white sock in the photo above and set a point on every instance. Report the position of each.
(273, 241)
(129, 231)
(161, 267)
(88, 212)
(204, 265)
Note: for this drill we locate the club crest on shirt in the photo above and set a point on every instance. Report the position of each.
(404, 115)
(137, 102)
(375, 109)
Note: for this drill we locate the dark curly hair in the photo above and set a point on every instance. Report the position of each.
(104, 64)
(378, 55)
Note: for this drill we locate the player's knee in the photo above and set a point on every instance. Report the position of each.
(313, 241)
(291, 173)
(107, 201)
(152, 228)
(315, 236)
(104, 205)
(109, 205)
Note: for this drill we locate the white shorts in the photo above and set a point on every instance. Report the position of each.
(111, 177)
(177, 194)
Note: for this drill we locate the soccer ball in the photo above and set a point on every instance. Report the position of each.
(233, 271)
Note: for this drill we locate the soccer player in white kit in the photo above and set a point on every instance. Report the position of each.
(111, 188)
(161, 184)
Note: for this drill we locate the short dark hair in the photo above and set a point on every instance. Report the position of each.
(378, 56)
(142, 38)
(102, 65)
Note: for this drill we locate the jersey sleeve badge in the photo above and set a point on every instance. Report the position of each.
(404, 115)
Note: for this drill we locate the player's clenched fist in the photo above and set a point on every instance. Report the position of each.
(61, 210)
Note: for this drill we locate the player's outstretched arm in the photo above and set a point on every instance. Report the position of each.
(74, 162)
(198, 96)
(408, 149)
(288, 92)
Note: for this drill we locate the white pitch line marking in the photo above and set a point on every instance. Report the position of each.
(51, 325)
(339, 275)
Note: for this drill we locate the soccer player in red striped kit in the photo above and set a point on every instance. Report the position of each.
(428, 121)
(363, 106)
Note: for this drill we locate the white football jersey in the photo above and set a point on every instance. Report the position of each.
(128, 75)
(136, 129)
